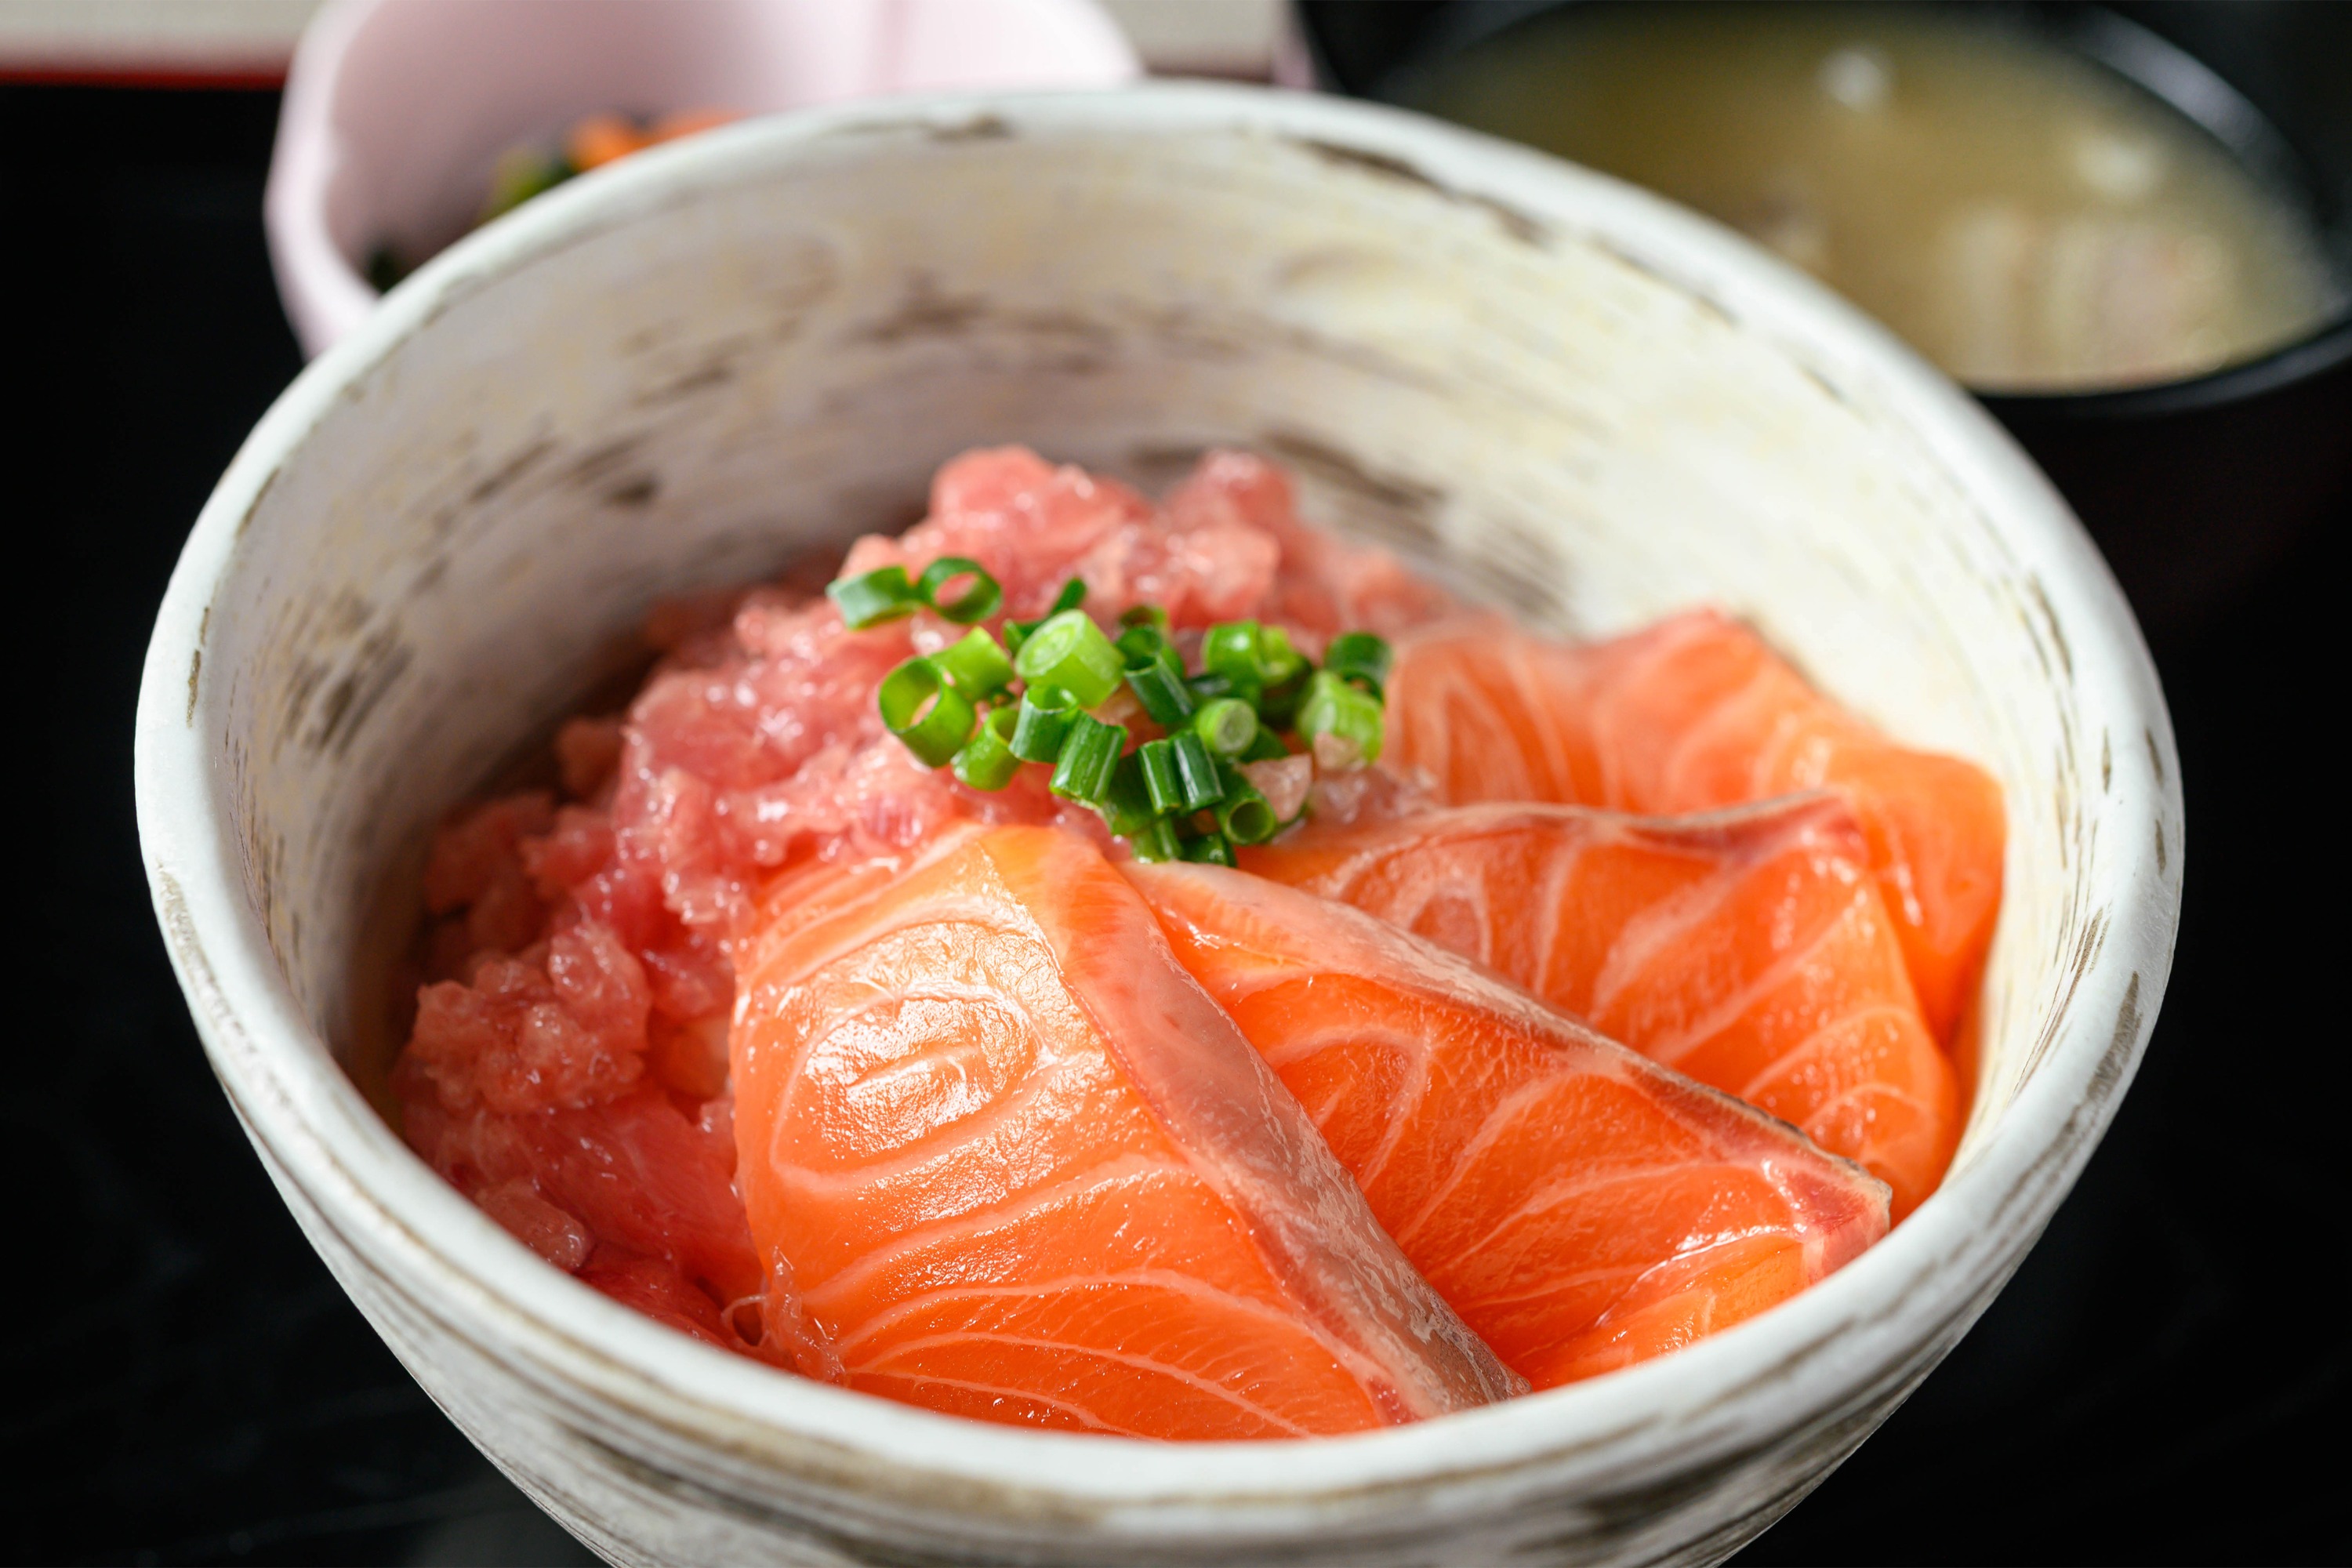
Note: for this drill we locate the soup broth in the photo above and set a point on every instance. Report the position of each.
(2024, 218)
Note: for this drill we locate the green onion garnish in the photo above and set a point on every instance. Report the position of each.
(1231, 650)
(874, 597)
(976, 603)
(1341, 723)
(1207, 689)
(1073, 594)
(1161, 782)
(1226, 726)
(922, 710)
(1044, 719)
(1266, 748)
(987, 761)
(1243, 815)
(1089, 755)
(985, 708)
(1128, 808)
(1277, 660)
(975, 665)
(1163, 694)
(1209, 849)
(1156, 841)
(1068, 650)
(1361, 660)
(1204, 784)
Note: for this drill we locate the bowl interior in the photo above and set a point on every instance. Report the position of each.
(1552, 390)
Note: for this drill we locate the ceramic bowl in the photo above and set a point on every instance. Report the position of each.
(1556, 392)
(396, 110)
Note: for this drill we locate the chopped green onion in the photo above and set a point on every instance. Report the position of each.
(1163, 695)
(1128, 808)
(1277, 660)
(1156, 840)
(1243, 815)
(1161, 782)
(1359, 658)
(1070, 651)
(1259, 660)
(1152, 616)
(1266, 748)
(1209, 849)
(1044, 719)
(1226, 726)
(1089, 755)
(922, 710)
(1143, 641)
(976, 603)
(1196, 772)
(987, 761)
(874, 597)
(1073, 594)
(975, 665)
(1207, 689)
(1340, 723)
(1231, 650)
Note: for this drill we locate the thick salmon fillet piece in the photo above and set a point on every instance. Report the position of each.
(1582, 1207)
(1011, 1162)
(1690, 714)
(1748, 948)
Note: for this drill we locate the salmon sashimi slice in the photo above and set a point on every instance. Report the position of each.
(1748, 949)
(1581, 1206)
(1693, 714)
(1013, 1163)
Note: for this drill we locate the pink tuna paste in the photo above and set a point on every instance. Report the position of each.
(567, 1068)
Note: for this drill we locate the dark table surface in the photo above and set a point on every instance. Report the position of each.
(186, 1384)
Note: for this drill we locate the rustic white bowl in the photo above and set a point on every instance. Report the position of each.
(1565, 395)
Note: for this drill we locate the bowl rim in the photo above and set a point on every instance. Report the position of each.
(1875, 1325)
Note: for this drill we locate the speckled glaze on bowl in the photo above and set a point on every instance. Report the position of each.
(1563, 394)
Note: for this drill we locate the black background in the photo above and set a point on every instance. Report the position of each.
(2164, 1381)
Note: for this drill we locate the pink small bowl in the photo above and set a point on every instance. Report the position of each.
(396, 110)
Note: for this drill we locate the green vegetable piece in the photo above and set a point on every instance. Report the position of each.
(987, 761)
(1161, 782)
(879, 596)
(1043, 718)
(1128, 808)
(1163, 695)
(976, 603)
(1204, 784)
(1073, 594)
(1277, 660)
(1266, 748)
(1226, 726)
(521, 173)
(1243, 815)
(1207, 689)
(1361, 660)
(922, 710)
(1156, 841)
(1229, 649)
(1070, 651)
(1209, 849)
(1342, 724)
(1089, 756)
(1152, 616)
(975, 665)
